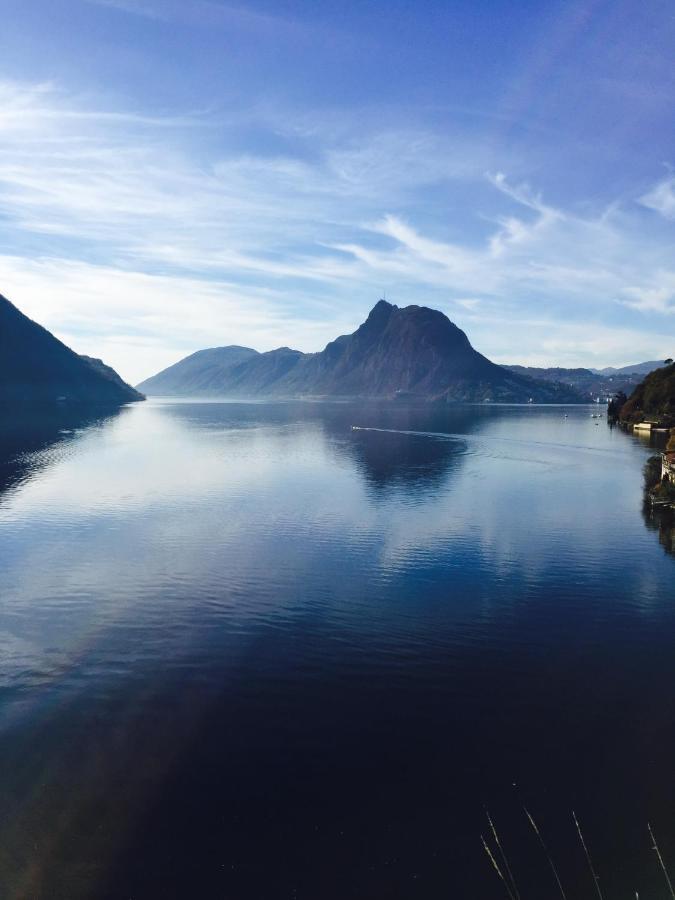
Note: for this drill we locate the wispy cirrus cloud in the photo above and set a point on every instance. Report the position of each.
(207, 13)
(144, 322)
(137, 7)
(656, 294)
(141, 238)
(661, 198)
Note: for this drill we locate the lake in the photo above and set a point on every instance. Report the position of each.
(249, 652)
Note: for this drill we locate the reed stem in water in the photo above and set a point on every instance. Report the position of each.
(596, 880)
(516, 892)
(660, 858)
(548, 855)
(497, 869)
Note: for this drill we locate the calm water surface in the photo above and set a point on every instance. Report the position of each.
(248, 652)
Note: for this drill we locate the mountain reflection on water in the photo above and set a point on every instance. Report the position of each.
(247, 651)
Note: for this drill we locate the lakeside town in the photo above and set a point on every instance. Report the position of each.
(649, 413)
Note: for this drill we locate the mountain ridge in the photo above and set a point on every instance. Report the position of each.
(586, 381)
(643, 368)
(196, 370)
(410, 351)
(37, 368)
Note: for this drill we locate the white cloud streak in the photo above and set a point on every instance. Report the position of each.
(661, 198)
(139, 239)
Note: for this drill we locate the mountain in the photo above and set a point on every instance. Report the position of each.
(413, 351)
(36, 368)
(410, 352)
(653, 399)
(198, 373)
(267, 373)
(643, 368)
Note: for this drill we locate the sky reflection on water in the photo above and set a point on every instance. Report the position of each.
(248, 651)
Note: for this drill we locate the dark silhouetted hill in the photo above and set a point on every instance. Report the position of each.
(653, 399)
(37, 369)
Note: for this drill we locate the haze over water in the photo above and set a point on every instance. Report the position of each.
(249, 652)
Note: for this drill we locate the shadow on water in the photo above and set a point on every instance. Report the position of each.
(27, 436)
(657, 518)
(661, 521)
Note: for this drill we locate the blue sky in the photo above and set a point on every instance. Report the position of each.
(176, 174)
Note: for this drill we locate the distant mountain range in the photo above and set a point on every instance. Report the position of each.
(587, 381)
(37, 369)
(409, 352)
(643, 368)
